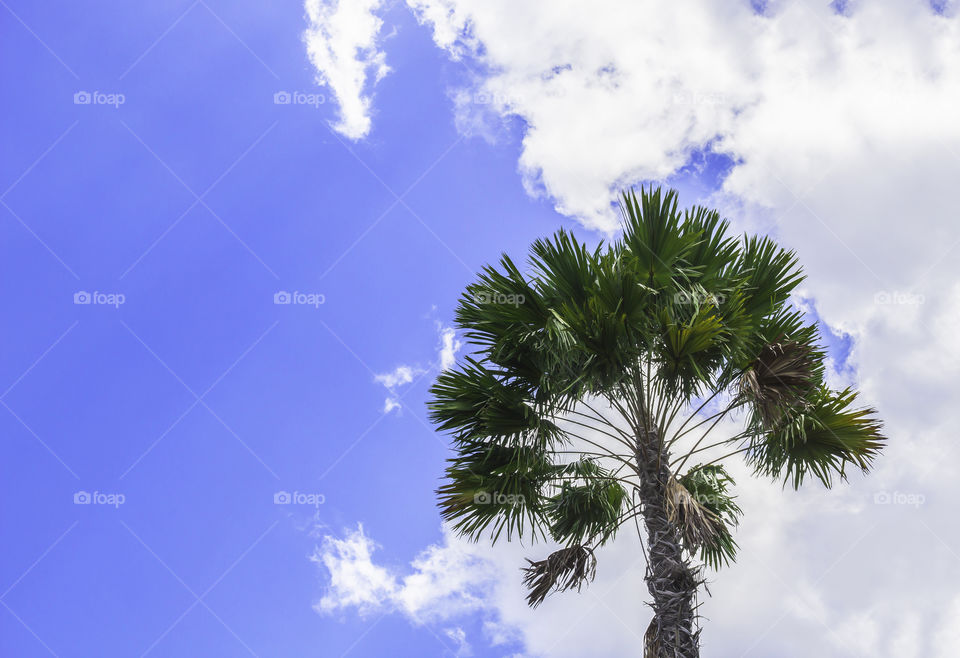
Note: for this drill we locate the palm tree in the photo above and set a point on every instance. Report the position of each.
(596, 380)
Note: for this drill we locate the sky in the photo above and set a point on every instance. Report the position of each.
(233, 235)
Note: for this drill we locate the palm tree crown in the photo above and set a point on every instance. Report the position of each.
(596, 379)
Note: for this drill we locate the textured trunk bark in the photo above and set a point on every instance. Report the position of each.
(671, 579)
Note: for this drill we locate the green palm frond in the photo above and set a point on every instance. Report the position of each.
(564, 268)
(597, 305)
(788, 324)
(475, 404)
(690, 350)
(499, 304)
(821, 439)
(769, 273)
(713, 253)
(585, 511)
(494, 487)
(654, 238)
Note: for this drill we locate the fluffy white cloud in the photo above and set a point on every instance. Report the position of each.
(343, 43)
(947, 637)
(459, 638)
(619, 94)
(443, 584)
(456, 580)
(355, 581)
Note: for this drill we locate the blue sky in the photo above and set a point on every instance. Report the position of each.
(191, 396)
(104, 399)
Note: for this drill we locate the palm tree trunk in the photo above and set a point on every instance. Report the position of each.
(671, 579)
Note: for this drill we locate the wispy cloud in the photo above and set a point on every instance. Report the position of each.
(394, 380)
(344, 45)
(404, 374)
(449, 346)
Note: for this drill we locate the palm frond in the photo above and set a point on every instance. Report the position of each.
(690, 350)
(654, 239)
(495, 487)
(564, 569)
(713, 252)
(821, 438)
(697, 524)
(476, 404)
(699, 504)
(585, 511)
(769, 275)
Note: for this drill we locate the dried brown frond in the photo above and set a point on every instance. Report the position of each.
(779, 379)
(562, 570)
(697, 524)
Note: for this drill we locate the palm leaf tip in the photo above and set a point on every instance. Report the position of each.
(564, 569)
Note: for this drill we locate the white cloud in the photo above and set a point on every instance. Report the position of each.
(457, 580)
(449, 346)
(390, 404)
(459, 638)
(355, 581)
(402, 375)
(399, 376)
(343, 43)
(947, 637)
(613, 94)
(444, 583)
